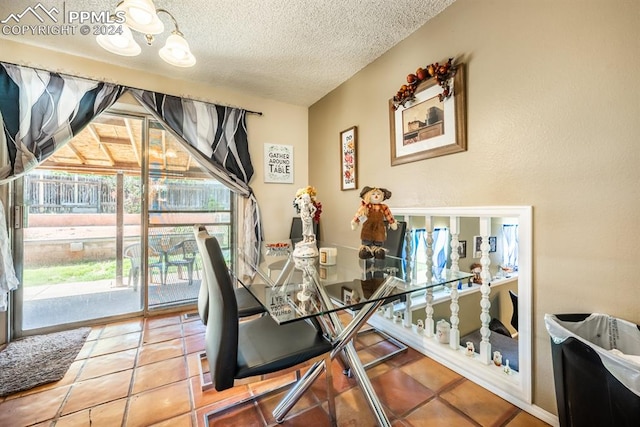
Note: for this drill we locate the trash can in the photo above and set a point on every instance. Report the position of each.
(596, 367)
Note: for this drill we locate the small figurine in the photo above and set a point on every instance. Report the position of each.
(309, 210)
(420, 326)
(470, 349)
(497, 358)
(372, 214)
(507, 368)
(442, 331)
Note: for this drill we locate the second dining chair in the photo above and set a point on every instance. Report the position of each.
(259, 346)
(247, 304)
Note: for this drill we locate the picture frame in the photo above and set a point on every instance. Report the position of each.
(349, 159)
(477, 241)
(347, 295)
(443, 130)
(462, 248)
(278, 164)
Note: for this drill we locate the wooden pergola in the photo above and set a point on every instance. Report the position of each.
(112, 144)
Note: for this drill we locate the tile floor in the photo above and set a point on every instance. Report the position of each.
(144, 372)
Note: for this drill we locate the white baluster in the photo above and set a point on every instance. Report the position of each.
(429, 324)
(454, 334)
(485, 290)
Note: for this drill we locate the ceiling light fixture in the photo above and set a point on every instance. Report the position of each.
(142, 16)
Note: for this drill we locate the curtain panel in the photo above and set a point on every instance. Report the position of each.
(41, 111)
(217, 136)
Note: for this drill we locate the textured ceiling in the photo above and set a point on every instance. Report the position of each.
(295, 51)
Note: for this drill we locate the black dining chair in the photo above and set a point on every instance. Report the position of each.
(248, 305)
(514, 315)
(260, 346)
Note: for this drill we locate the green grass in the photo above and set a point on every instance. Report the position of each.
(84, 272)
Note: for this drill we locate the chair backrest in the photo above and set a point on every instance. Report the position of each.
(203, 293)
(296, 230)
(133, 253)
(221, 335)
(395, 239)
(514, 316)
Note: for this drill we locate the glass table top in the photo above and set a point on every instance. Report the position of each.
(289, 287)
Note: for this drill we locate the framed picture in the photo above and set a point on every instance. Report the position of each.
(462, 248)
(347, 295)
(348, 158)
(278, 163)
(477, 241)
(427, 127)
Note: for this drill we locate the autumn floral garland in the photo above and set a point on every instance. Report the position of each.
(442, 73)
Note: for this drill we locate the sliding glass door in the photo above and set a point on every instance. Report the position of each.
(78, 210)
(104, 227)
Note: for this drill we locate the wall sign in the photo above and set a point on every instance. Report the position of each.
(278, 163)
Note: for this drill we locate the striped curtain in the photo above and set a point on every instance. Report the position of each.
(217, 136)
(40, 111)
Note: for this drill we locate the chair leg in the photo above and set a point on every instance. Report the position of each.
(234, 401)
(333, 419)
(190, 273)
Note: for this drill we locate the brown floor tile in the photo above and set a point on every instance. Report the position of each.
(162, 333)
(184, 420)
(158, 404)
(108, 414)
(115, 344)
(524, 419)
(160, 321)
(436, 413)
(193, 364)
(209, 398)
(86, 349)
(108, 364)
(191, 328)
(482, 406)
(156, 352)
(194, 343)
(33, 408)
(96, 331)
(122, 328)
(245, 416)
(405, 357)
(431, 374)
(97, 391)
(352, 409)
(399, 392)
(268, 404)
(313, 417)
(158, 374)
(369, 338)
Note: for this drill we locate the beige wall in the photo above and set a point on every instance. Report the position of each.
(280, 123)
(553, 122)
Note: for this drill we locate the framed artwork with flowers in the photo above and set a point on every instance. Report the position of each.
(348, 158)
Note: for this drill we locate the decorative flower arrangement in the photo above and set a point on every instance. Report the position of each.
(443, 74)
(311, 191)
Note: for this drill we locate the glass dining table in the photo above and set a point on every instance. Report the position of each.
(297, 289)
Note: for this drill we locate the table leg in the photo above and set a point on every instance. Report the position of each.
(344, 345)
